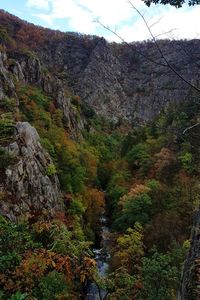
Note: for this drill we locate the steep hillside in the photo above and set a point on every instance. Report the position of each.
(118, 81)
(90, 129)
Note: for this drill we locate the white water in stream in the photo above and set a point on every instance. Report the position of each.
(101, 257)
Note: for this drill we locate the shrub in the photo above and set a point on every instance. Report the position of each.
(187, 162)
(135, 209)
(76, 207)
(19, 296)
(5, 159)
(51, 170)
(6, 128)
(139, 157)
(48, 146)
(53, 286)
(8, 104)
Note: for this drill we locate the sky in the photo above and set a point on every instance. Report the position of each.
(82, 15)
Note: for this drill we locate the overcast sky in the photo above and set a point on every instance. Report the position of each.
(80, 16)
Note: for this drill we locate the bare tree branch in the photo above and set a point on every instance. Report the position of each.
(166, 62)
(129, 45)
(155, 23)
(159, 49)
(189, 54)
(189, 128)
(165, 33)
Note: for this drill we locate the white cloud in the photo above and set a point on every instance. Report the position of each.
(169, 22)
(46, 18)
(110, 12)
(80, 15)
(39, 4)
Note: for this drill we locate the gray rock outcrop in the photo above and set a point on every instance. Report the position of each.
(190, 281)
(120, 81)
(28, 186)
(29, 70)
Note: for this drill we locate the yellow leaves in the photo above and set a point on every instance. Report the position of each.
(41, 226)
(94, 202)
(129, 250)
(87, 269)
(89, 262)
(186, 245)
(138, 189)
(71, 146)
(67, 266)
(53, 264)
(90, 161)
(82, 278)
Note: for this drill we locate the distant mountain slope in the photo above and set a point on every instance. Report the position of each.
(117, 80)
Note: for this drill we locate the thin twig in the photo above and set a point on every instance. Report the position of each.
(129, 45)
(155, 23)
(165, 33)
(195, 125)
(159, 49)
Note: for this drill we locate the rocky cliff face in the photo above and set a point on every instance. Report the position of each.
(120, 81)
(28, 184)
(117, 81)
(190, 281)
(29, 70)
(7, 87)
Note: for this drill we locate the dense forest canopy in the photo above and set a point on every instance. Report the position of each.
(144, 176)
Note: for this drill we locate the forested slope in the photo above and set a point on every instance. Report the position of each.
(89, 128)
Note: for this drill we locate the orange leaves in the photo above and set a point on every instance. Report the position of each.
(62, 218)
(41, 226)
(165, 163)
(87, 269)
(90, 161)
(94, 198)
(52, 108)
(94, 202)
(33, 267)
(134, 191)
(71, 146)
(138, 189)
(184, 178)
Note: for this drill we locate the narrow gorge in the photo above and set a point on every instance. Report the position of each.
(99, 167)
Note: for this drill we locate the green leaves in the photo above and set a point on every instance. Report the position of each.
(53, 286)
(14, 237)
(5, 159)
(176, 3)
(134, 210)
(8, 261)
(187, 162)
(6, 128)
(160, 277)
(139, 157)
(68, 242)
(51, 170)
(76, 208)
(19, 296)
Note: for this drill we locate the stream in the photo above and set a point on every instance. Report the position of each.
(101, 258)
